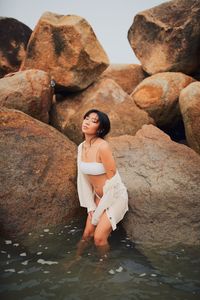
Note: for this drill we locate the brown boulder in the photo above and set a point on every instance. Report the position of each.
(158, 95)
(28, 91)
(106, 95)
(67, 48)
(37, 176)
(14, 37)
(190, 108)
(128, 76)
(167, 37)
(163, 181)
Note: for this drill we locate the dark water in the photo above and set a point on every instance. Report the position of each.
(43, 269)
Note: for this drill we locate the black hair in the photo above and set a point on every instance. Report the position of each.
(104, 122)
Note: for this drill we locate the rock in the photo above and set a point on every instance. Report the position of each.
(37, 175)
(163, 182)
(28, 91)
(158, 95)
(68, 49)
(167, 37)
(14, 37)
(128, 76)
(107, 96)
(190, 108)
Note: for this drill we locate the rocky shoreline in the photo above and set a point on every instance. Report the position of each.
(154, 108)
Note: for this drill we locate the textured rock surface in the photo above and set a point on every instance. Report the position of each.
(108, 96)
(37, 174)
(67, 48)
(14, 37)
(167, 37)
(190, 108)
(158, 95)
(128, 76)
(28, 91)
(163, 181)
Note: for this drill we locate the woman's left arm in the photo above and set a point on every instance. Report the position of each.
(107, 159)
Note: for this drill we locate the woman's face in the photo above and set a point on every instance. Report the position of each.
(90, 124)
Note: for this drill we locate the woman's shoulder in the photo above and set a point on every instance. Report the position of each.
(104, 146)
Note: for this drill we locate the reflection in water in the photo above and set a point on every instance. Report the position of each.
(48, 268)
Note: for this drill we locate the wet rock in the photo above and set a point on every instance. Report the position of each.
(190, 108)
(107, 96)
(67, 48)
(14, 37)
(28, 91)
(158, 95)
(37, 176)
(163, 181)
(167, 37)
(128, 76)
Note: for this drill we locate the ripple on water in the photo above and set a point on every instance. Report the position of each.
(47, 268)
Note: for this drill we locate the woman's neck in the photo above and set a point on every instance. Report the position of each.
(90, 139)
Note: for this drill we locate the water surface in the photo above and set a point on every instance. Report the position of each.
(46, 268)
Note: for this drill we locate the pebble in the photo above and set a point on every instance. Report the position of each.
(46, 262)
(111, 272)
(2, 251)
(46, 230)
(142, 275)
(8, 242)
(10, 270)
(39, 253)
(20, 272)
(153, 275)
(119, 269)
(25, 262)
(16, 244)
(23, 254)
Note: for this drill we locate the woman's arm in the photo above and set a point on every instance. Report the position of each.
(107, 159)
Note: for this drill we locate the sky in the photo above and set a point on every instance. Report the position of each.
(110, 19)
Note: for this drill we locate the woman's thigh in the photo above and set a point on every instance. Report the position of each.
(103, 228)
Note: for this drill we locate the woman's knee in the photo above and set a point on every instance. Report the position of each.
(99, 239)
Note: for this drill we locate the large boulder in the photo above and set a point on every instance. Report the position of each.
(107, 96)
(14, 37)
(167, 37)
(190, 108)
(158, 95)
(29, 91)
(163, 182)
(128, 76)
(37, 175)
(68, 49)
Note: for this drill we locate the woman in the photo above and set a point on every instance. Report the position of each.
(100, 188)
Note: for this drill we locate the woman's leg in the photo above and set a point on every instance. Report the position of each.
(102, 233)
(87, 236)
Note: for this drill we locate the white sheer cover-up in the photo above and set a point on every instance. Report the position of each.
(114, 200)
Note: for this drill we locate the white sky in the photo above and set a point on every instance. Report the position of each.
(110, 19)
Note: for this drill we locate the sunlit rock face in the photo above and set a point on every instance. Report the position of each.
(158, 95)
(190, 108)
(37, 176)
(14, 37)
(29, 91)
(167, 37)
(67, 48)
(163, 182)
(128, 76)
(107, 96)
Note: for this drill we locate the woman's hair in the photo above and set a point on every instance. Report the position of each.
(104, 122)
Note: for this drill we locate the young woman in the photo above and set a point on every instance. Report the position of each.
(100, 188)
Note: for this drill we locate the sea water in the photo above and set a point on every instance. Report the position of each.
(47, 268)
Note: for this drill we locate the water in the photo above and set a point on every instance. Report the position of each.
(43, 269)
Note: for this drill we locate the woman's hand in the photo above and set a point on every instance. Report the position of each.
(90, 214)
